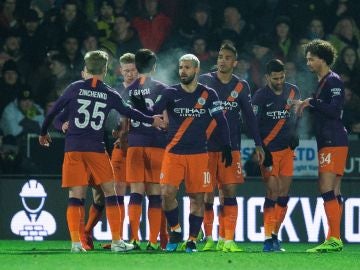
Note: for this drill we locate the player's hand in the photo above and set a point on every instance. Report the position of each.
(158, 122)
(45, 140)
(166, 120)
(65, 126)
(260, 154)
(301, 105)
(268, 161)
(226, 155)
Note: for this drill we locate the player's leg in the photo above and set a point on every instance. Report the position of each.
(154, 214)
(197, 183)
(221, 239)
(102, 172)
(195, 219)
(230, 217)
(75, 215)
(135, 176)
(75, 176)
(284, 183)
(95, 213)
(172, 173)
(271, 184)
(209, 221)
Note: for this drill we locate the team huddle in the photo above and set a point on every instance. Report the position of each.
(191, 132)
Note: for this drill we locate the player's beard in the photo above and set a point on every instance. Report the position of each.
(187, 80)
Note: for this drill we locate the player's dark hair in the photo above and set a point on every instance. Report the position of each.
(322, 49)
(127, 58)
(96, 62)
(145, 60)
(274, 65)
(229, 47)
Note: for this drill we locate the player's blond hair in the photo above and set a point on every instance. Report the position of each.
(127, 58)
(190, 57)
(96, 62)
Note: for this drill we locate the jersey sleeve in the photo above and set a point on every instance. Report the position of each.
(334, 108)
(58, 106)
(125, 109)
(248, 113)
(216, 112)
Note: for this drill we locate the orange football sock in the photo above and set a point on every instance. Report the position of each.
(122, 218)
(221, 222)
(73, 216)
(208, 219)
(134, 219)
(332, 210)
(113, 216)
(279, 214)
(269, 221)
(230, 217)
(154, 216)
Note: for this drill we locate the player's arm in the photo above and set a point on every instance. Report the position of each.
(124, 109)
(249, 115)
(61, 121)
(294, 123)
(216, 112)
(59, 105)
(256, 103)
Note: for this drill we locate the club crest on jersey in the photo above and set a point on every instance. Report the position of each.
(201, 101)
(234, 94)
(255, 109)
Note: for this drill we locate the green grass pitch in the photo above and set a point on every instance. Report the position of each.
(55, 255)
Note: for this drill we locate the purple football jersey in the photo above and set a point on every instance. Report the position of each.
(327, 106)
(87, 104)
(143, 134)
(275, 116)
(189, 116)
(235, 99)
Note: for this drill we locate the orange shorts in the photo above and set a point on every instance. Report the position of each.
(221, 175)
(118, 161)
(79, 166)
(283, 164)
(333, 159)
(143, 164)
(192, 168)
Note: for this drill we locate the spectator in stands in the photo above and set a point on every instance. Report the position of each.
(8, 20)
(69, 20)
(262, 54)
(242, 70)
(153, 26)
(346, 33)
(284, 45)
(351, 112)
(105, 21)
(32, 45)
(200, 24)
(90, 43)
(124, 36)
(11, 48)
(235, 27)
(200, 49)
(10, 84)
(22, 116)
(52, 86)
(71, 49)
(316, 29)
(348, 63)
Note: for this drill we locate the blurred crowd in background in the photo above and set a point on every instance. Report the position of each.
(42, 44)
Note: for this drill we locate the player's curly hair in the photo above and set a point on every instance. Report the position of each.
(322, 49)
